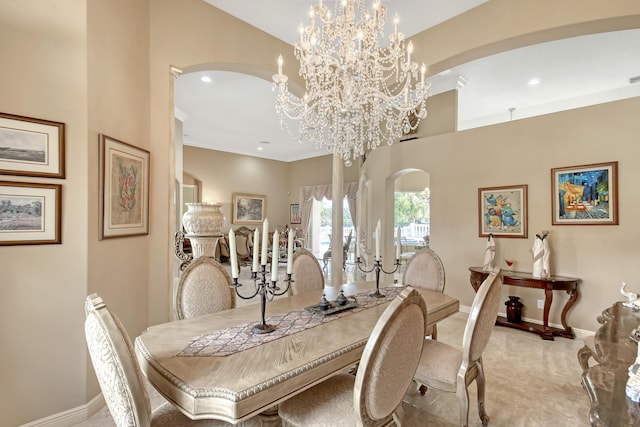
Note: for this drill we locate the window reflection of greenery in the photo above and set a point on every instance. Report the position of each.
(412, 207)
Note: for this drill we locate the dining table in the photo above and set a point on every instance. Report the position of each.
(213, 367)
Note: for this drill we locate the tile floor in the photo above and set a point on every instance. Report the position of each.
(530, 383)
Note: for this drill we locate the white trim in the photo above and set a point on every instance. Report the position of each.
(578, 333)
(72, 416)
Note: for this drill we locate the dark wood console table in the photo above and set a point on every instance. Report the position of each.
(526, 280)
(605, 382)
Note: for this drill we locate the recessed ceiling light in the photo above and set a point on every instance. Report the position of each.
(534, 82)
(206, 79)
(260, 148)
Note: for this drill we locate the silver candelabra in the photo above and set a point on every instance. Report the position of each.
(267, 289)
(377, 266)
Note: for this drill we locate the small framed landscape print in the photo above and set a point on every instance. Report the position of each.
(294, 214)
(31, 147)
(502, 211)
(29, 213)
(248, 208)
(124, 189)
(585, 195)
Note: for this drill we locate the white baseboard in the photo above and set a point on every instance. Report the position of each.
(72, 416)
(579, 333)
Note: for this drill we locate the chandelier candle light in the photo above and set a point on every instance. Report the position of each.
(266, 289)
(356, 89)
(377, 266)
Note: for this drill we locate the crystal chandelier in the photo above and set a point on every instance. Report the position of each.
(357, 91)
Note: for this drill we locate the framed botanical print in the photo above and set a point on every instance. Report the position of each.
(502, 211)
(124, 189)
(585, 195)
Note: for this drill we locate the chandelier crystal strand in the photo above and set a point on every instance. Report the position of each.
(356, 90)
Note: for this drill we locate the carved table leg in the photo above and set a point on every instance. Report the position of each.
(548, 299)
(584, 354)
(270, 417)
(573, 296)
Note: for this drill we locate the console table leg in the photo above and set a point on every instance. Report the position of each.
(548, 299)
(573, 296)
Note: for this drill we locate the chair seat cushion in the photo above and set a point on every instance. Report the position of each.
(311, 408)
(439, 365)
(166, 415)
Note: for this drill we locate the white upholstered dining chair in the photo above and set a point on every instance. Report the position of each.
(447, 368)
(120, 377)
(425, 270)
(374, 395)
(305, 272)
(204, 288)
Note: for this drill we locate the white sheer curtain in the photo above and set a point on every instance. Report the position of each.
(319, 192)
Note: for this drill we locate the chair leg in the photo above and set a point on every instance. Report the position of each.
(463, 398)
(398, 416)
(434, 335)
(480, 383)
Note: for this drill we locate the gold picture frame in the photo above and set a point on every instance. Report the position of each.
(30, 213)
(124, 189)
(31, 147)
(503, 211)
(585, 195)
(248, 208)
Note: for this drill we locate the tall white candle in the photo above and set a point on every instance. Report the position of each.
(399, 239)
(292, 235)
(274, 257)
(256, 249)
(357, 242)
(265, 241)
(377, 237)
(233, 254)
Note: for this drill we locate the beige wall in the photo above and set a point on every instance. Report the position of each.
(118, 66)
(523, 152)
(105, 67)
(42, 287)
(223, 174)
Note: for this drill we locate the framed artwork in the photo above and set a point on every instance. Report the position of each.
(248, 208)
(31, 147)
(30, 214)
(502, 211)
(124, 189)
(294, 214)
(585, 195)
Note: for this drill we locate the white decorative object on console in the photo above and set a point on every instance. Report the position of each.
(489, 253)
(541, 253)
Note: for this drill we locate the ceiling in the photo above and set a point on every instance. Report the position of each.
(235, 112)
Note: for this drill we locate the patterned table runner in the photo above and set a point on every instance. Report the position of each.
(238, 338)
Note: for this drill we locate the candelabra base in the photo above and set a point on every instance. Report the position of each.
(263, 329)
(377, 294)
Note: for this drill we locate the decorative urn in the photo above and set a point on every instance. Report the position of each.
(203, 223)
(203, 219)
